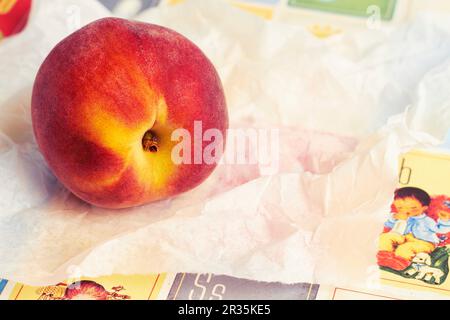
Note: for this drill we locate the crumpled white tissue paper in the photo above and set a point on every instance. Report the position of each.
(346, 108)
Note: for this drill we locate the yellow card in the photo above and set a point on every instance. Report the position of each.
(117, 287)
(415, 244)
(260, 9)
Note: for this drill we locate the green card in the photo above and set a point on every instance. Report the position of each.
(357, 8)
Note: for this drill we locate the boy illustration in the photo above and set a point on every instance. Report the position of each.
(409, 230)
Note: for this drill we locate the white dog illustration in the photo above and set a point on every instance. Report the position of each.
(421, 264)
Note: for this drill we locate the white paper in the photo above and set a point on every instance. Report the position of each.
(346, 108)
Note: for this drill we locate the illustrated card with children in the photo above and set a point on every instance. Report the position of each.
(414, 247)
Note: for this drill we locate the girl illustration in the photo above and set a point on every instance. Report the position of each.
(440, 209)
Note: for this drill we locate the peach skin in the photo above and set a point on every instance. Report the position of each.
(106, 102)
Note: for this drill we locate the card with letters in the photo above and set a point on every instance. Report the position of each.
(188, 286)
(414, 247)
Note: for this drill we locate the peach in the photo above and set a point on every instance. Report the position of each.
(106, 102)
